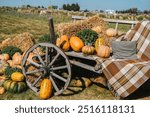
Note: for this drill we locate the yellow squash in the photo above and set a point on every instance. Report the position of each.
(17, 76)
(46, 89)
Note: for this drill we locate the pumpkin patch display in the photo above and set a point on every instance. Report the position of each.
(14, 86)
(76, 43)
(88, 49)
(103, 51)
(46, 89)
(111, 32)
(63, 42)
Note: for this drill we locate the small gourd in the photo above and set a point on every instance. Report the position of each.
(17, 58)
(111, 32)
(103, 51)
(99, 42)
(88, 49)
(2, 90)
(17, 76)
(11, 63)
(4, 57)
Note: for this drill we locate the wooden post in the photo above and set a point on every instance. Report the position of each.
(116, 28)
(52, 31)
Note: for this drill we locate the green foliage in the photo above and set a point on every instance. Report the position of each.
(11, 50)
(44, 38)
(8, 71)
(88, 36)
(71, 7)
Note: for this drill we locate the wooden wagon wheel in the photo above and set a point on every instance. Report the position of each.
(45, 60)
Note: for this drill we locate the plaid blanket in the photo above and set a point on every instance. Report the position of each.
(126, 76)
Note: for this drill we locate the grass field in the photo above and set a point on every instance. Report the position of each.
(12, 23)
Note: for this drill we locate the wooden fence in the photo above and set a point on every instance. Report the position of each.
(127, 22)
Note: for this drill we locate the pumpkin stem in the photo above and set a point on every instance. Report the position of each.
(62, 44)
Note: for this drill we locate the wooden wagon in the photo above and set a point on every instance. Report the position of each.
(53, 62)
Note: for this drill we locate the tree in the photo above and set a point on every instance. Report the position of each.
(86, 10)
(64, 6)
(55, 7)
(28, 6)
(145, 11)
(71, 7)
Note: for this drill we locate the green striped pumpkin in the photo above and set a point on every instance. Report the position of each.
(14, 86)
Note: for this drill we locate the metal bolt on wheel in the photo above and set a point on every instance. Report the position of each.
(45, 60)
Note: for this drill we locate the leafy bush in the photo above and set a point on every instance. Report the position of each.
(11, 50)
(44, 38)
(8, 71)
(88, 36)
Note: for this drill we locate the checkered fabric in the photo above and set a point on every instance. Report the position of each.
(126, 76)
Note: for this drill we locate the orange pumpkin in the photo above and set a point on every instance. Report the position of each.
(39, 50)
(17, 58)
(111, 32)
(76, 43)
(11, 63)
(63, 42)
(5, 57)
(46, 89)
(103, 51)
(31, 55)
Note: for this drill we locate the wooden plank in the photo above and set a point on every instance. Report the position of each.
(78, 17)
(120, 21)
(85, 66)
(107, 20)
(80, 55)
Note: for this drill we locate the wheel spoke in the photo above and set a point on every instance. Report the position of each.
(54, 60)
(55, 86)
(35, 82)
(35, 51)
(32, 72)
(59, 77)
(33, 63)
(59, 68)
(46, 55)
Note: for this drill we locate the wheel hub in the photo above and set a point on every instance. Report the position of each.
(46, 70)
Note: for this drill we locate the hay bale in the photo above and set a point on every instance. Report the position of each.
(71, 29)
(23, 41)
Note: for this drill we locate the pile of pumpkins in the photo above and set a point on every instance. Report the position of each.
(77, 45)
(16, 82)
